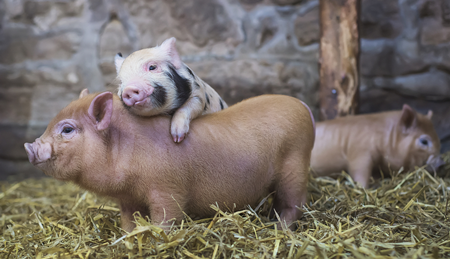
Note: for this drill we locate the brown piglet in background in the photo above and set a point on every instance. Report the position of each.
(363, 144)
(232, 157)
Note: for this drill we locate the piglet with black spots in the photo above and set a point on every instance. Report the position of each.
(155, 81)
(235, 156)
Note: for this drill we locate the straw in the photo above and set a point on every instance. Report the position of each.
(406, 216)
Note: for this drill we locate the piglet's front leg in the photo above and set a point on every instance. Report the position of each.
(360, 169)
(181, 119)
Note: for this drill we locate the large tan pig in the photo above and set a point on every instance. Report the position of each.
(235, 156)
(362, 144)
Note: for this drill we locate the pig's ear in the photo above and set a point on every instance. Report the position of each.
(118, 60)
(408, 119)
(100, 110)
(429, 114)
(83, 93)
(168, 46)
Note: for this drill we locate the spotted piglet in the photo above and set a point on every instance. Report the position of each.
(155, 81)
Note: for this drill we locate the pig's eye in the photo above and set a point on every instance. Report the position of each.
(152, 67)
(67, 130)
(424, 142)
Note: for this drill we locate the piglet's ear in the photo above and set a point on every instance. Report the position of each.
(408, 119)
(429, 114)
(83, 93)
(118, 61)
(168, 46)
(100, 110)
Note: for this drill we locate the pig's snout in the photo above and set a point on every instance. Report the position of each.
(434, 162)
(38, 152)
(133, 95)
(30, 152)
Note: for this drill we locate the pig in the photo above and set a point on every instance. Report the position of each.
(363, 144)
(155, 81)
(232, 157)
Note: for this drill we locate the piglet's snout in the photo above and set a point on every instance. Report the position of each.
(434, 162)
(30, 152)
(38, 152)
(135, 95)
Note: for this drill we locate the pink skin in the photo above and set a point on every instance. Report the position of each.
(136, 94)
(40, 151)
(137, 91)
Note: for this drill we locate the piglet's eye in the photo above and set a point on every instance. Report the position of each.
(152, 67)
(424, 141)
(67, 130)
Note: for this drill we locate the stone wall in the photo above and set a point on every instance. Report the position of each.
(51, 49)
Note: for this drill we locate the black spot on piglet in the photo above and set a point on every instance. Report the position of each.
(159, 95)
(221, 105)
(207, 98)
(182, 84)
(190, 72)
(120, 54)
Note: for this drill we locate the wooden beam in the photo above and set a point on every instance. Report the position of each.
(339, 54)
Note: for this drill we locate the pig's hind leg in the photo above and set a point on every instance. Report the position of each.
(291, 190)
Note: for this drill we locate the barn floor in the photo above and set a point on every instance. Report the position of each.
(406, 216)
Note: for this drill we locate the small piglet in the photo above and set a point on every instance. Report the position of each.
(235, 156)
(363, 144)
(155, 81)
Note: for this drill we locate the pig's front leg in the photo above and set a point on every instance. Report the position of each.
(360, 169)
(127, 209)
(190, 110)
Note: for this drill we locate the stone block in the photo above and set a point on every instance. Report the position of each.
(384, 57)
(241, 79)
(16, 48)
(307, 27)
(433, 85)
(433, 29)
(202, 21)
(380, 19)
(287, 2)
(113, 39)
(270, 33)
(43, 14)
(15, 100)
(250, 2)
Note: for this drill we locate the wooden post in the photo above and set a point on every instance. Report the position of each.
(339, 54)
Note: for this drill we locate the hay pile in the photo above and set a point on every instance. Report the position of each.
(405, 216)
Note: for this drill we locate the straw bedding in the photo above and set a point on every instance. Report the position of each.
(406, 216)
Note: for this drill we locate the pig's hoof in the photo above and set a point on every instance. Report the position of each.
(179, 130)
(178, 138)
